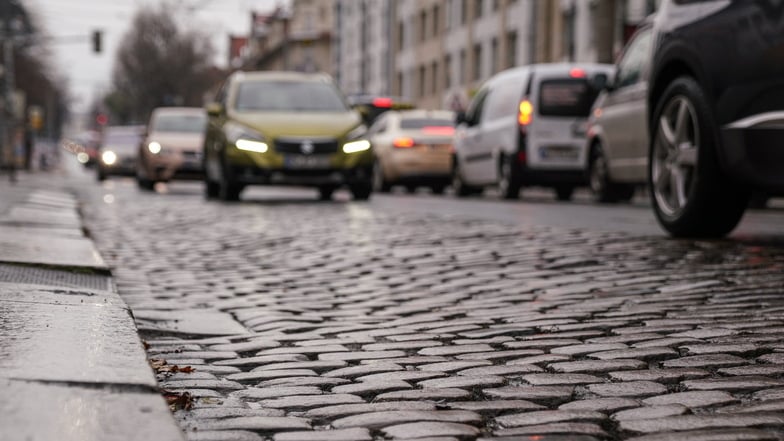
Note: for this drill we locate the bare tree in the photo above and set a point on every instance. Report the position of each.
(159, 64)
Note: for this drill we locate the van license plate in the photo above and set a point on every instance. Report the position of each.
(558, 152)
(306, 162)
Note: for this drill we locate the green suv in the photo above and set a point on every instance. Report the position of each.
(284, 128)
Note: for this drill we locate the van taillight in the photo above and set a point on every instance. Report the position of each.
(526, 113)
(576, 72)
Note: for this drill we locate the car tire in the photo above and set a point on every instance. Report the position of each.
(438, 189)
(759, 200)
(564, 192)
(145, 184)
(411, 189)
(100, 176)
(508, 178)
(361, 191)
(691, 197)
(211, 189)
(603, 188)
(325, 193)
(380, 183)
(228, 190)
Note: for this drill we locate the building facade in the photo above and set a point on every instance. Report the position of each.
(299, 38)
(445, 49)
(363, 56)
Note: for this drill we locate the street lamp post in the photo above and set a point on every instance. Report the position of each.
(9, 82)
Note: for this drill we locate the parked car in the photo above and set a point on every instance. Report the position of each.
(285, 128)
(413, 148)
(118, 151)
(526, 126)
(617, 133)
(715, 113)
(86, 147)
(172, 146)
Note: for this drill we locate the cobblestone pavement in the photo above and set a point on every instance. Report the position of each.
(338, 321)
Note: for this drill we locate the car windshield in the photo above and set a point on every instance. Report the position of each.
(121, 141)
(179, 123)
(566, 97)
(288, 96)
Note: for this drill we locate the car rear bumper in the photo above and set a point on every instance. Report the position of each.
(413, 165)
(547, 177)
(173, 166)
(752, 151)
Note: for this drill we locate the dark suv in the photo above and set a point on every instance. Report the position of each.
(716, 109)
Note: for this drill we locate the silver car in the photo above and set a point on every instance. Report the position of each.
(618, 126)
(526, 126)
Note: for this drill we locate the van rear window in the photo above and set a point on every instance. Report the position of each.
(566, 97)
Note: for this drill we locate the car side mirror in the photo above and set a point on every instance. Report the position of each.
(364, 113)
(214, 109)
(460, 118)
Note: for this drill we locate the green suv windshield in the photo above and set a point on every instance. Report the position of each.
(288, 96)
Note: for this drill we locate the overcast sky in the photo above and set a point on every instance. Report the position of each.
(89, 74)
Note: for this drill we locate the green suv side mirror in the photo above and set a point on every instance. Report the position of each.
(214, 109)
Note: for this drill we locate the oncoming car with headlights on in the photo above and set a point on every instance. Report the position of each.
(117, 153)
(172, 146)
(284, 128)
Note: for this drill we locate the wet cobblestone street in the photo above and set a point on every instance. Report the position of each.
(349, 321)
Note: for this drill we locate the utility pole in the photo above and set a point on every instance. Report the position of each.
(16, 24)
(9, 126)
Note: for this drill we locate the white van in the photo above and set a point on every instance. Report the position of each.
(526, 126)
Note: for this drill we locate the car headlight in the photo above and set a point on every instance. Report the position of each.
(109, 157)
(154, 147)
(356, 146)
(246, 139)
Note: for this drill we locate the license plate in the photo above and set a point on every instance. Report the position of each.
(303, 161)
(558, 152)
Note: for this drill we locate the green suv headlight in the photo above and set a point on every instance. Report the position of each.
(356, 146)
(246, 139)
(356, 142)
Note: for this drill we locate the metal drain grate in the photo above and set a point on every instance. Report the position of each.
(47, 276)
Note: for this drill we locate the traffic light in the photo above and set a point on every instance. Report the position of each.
(97, 41)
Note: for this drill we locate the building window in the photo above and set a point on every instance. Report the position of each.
(569, 33)
(423, 26)
(422, 82)
(434, 77)
(478, 4)
(477, 68)
(494, 55)
(511, 49)
(496, 5)
(436, 20)
(401, 35)
(447, 71)
(463, 11)
(461, 73)
(399, 85)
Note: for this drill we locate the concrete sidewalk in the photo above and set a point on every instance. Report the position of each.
(72, 366)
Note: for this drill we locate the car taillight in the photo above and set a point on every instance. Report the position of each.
(525, 115)
(385, 103)
(403, 143)
(576, 72)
